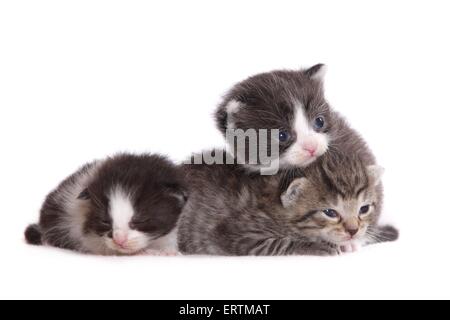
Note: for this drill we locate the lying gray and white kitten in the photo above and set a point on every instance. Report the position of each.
(334, 206)
(123, 205)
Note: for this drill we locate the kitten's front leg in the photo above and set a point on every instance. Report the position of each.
(289, 246)
(317, 249)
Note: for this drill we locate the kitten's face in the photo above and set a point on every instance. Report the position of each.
(290, 101)
(128, 223)
(332, 215)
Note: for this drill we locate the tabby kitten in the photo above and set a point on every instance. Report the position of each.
(331, 207)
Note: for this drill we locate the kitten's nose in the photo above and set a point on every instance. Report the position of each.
(311, 151)
(352, 232)
(120, 238)
(310, 146)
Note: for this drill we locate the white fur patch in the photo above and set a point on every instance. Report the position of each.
(307, 138)
(77, 209)
(233, 106)
(121, 209)
(166, 245)
(302, 125)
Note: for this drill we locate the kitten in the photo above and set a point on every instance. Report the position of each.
(332, 207)
(123, 205)
(292, 102)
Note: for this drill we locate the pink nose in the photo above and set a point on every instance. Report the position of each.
(310, 146)
(311, 151)
(120, 239)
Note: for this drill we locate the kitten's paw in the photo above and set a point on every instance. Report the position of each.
(171, 253)
(161, 253)
(388, 233)
(349, 248)
(378, 234)
(150, 252)
(327, 250)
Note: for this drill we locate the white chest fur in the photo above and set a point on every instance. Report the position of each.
(166, 245)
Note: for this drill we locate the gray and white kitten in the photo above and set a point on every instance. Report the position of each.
(331, 207)
(293, 102)
(123, 205)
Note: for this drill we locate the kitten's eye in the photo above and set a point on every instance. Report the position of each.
(135, 223)
(364, 210)
(330, 213)
(105, 222)
(284, 136)
(319, 123)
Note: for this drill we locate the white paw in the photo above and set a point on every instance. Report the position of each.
(356, 247)
(349, 248)
(171, 253)
(161, 253)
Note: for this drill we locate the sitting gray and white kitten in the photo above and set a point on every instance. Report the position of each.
(293, 102)
(332, 207)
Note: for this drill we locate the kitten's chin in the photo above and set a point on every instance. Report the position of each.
(128, 252)
(128, 249)
(290, 162)
(307, 161)
(347, 242)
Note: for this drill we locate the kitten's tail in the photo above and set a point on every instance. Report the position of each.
(379, 234)
(33, 234)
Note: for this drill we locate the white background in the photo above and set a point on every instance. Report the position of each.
(83, 79)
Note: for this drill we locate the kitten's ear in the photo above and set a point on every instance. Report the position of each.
(317, 72)
(84, 195)
(295, 189)
(375, 174)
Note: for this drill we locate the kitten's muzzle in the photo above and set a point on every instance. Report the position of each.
(352, 232)
(120, 239)
(310, 146)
